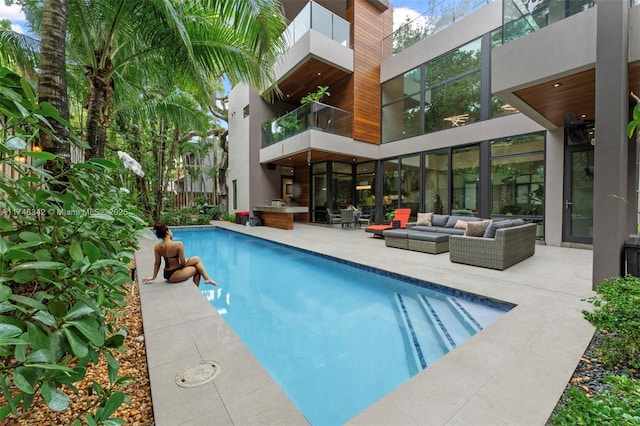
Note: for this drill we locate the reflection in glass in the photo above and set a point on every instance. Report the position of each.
(365, 186)
(517, 185)
(343, 185)
(517, 175)
(410, 184)
(319, 188)
(401, 86)
(582, 172)
(436, 182)
(390, 185)
(401, 119)
(465, 164)
(453, 104)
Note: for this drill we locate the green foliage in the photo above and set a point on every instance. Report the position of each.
(618, 314)
(317, 96)
(66, 241)
(229, 217)
(635, 122)
(618, 406)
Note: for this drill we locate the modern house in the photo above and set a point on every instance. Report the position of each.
(494, 109)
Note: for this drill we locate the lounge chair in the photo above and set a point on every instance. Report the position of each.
(333, 217)
(366, 218)
(347, 218)
(401, 215)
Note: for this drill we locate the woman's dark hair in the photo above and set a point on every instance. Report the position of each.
(161, 229)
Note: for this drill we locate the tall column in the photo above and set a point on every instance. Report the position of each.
(611, 224)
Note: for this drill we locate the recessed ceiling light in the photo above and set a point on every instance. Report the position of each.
(557, 85)
(583, 116)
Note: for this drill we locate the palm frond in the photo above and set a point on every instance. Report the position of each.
(20, 52)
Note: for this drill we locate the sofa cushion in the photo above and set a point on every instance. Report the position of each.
(440, 220)
(438, 229)
(461, 224)
(517, 222)
(395, 233)
(490, 232)
(477, 228)
(451, 222)
(428, 236)
(424, 219)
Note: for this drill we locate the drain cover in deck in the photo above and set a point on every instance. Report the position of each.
(197, 374)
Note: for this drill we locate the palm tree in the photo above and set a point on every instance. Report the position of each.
(52, 85)
(201, 39)
(115, 42)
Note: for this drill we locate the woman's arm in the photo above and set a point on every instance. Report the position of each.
(181, 257)
(156, 267)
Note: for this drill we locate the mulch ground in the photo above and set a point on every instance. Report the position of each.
(133, 362)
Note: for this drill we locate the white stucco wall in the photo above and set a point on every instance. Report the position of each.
(239, 152)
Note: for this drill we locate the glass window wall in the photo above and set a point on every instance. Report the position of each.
(342, 184)
(390, 185)
(410, 184)
(365, 186)
(465, 164)
(436, 182)
(319, 188)
(449, 96)
(517, 176)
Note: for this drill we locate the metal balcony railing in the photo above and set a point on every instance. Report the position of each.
(314, 115)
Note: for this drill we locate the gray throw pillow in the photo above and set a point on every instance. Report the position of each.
(518, 222)
(439, 220)
(491, 229)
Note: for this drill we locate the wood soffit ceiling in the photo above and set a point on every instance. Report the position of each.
(572, 93)
(300, 159)
(307, 78)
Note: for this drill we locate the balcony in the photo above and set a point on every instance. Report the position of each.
(314, 16)
(318, 52)
(314, 115)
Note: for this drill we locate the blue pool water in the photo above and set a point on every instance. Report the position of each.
(335, 337)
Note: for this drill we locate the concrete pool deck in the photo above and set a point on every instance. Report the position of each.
(511, 373)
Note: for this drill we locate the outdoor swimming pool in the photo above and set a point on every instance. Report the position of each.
(335, 337)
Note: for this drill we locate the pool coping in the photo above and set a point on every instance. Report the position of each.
(513, 372)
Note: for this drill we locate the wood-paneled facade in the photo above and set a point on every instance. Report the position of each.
(369, 27)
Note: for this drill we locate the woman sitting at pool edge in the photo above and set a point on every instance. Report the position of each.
(176, 267)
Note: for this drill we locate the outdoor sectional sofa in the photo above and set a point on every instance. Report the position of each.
(433, 238)
(509, 246)
(501, 245)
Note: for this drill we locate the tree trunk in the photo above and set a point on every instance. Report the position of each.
(98, 110)
(52, 86)
(160, 174)
(222, 171)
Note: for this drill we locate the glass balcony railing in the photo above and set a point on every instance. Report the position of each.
(519, 19)
(314, 115)
(437, 18)
(314, 16)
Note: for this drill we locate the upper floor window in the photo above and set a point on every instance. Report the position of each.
(440, 94)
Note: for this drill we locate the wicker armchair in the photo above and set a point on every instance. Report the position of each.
(510, 246)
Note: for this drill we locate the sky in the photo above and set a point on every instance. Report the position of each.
(402, 8)
(14, 14)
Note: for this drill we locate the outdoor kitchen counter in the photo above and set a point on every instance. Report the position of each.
(279, 216)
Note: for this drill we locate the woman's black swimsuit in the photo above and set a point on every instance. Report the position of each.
(167, 272)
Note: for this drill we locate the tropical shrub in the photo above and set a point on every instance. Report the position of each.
(618, 406)
(67, 239)
(617, 313)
